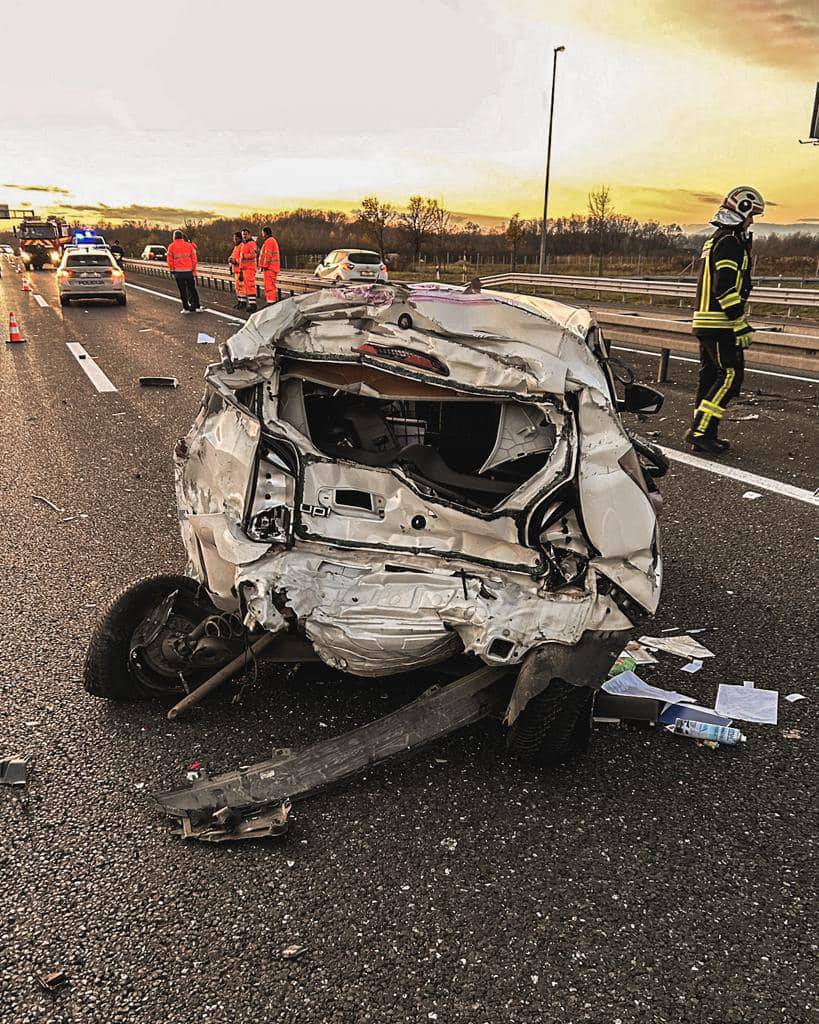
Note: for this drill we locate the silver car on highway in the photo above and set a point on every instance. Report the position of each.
(90, 272)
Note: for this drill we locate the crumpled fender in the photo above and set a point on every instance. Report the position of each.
(586, 663)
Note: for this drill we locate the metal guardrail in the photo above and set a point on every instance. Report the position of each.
(772, 346)
(789, 297)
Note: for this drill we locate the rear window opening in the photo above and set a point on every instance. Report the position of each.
(470, 452)
(88, 261)
(370, 258)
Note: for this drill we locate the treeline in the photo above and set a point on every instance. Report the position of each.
(425, 231)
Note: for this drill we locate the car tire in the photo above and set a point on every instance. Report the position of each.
(555, 725)
(111, 672)
(64, 300)
(122, 300)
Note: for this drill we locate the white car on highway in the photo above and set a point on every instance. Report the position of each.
(352, 265)
(89, 272)
(155, 252)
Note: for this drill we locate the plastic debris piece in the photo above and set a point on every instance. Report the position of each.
(791, 734)
(672, 713)
(158, 382)
(205, 339)
(53, 981)
(293, 952)
(748, 703)
(638, 653)
(13, 770)
(627, 684)
(707, 732)
(752, 495)
(692, 666)
(792, 698)
(683, 646)
(45, 501)
(624, 663)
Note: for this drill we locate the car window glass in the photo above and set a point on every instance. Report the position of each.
(88, 261)
(365, 257)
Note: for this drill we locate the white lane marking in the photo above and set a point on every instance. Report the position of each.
(90, 368)
(40, 301)
(763, 483)
(688, 359)
(205, 309)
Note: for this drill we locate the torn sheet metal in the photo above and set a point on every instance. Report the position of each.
(400, 494)
(14, 770)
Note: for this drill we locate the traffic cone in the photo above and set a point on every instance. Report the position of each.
(26, 285)
(14, 330)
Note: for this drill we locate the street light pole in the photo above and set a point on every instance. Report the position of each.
(557, 50)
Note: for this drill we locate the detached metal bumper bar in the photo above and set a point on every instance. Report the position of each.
(254, 802)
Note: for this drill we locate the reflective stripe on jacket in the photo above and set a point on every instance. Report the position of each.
(248, 254)
(181, 256)
(724, 284)
(269, 256)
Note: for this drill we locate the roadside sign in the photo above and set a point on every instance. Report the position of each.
(814, 121)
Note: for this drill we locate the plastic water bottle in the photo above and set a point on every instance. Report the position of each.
(709, 732)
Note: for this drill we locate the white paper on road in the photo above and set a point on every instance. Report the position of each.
(692, 666)
(748, 703)
(692, 712)
(627, 684)
(638, 654)
(205, 339)
(794, 697)
(752, 495)
(683, 646)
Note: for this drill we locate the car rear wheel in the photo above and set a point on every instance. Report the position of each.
(121, 300)
(64, 300)
(127, 655)
(555, 726)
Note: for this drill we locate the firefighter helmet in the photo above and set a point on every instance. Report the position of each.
(741, 202)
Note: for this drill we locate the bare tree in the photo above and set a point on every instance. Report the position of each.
(601, 211)
(440, 227)
(514, 233)
(417, 221)
(376, 218)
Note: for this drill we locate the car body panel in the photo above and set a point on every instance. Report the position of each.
(302, 502)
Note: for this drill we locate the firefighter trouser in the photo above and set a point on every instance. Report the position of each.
(249, 285)
(271, 292)
(237, 287)
(722, 364)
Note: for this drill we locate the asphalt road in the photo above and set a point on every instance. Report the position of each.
(657, 881)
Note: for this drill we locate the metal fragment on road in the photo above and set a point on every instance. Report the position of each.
(53, 981)
(293, 952)
(225, 825)
(13, 770)
(158, 382)
(46, 501)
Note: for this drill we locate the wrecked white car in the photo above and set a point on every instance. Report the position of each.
(387, 478)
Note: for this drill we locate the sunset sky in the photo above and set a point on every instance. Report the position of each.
(217, 108)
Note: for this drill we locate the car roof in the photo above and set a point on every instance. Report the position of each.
(84, 250)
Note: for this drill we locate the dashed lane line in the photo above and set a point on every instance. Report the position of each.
(40, 301)
(763, 483)
(173, 298)
(90, 368)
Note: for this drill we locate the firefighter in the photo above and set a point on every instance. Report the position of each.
(270, 264)
(182, 264)
(719, 323)
(235, 267)
(247, 259)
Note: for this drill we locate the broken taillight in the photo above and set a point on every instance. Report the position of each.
(406, 356)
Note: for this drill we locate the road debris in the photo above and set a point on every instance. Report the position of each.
(158, 382)
(752, 495)
(707, 733)
(748, 703)
(13, 770)
(692, 666)
(792, 698)
(53, 981)
(635, 650)
(205, 339)
(791, 734)
(627, 684)
(683, 646)
(226, 825)
(673, 713)
(51, 505)
(293, 952)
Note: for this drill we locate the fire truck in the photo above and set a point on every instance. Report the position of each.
(42, 242)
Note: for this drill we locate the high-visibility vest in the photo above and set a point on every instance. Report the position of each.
(269, 256)
(723, 285)
(181, 256)
(248, 254)
(235, 258)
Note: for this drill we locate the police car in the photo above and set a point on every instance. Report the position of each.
(89, 272)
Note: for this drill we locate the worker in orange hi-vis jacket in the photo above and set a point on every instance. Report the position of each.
(235, 266)
(181, 260)
(270, 264)
(247, 260)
